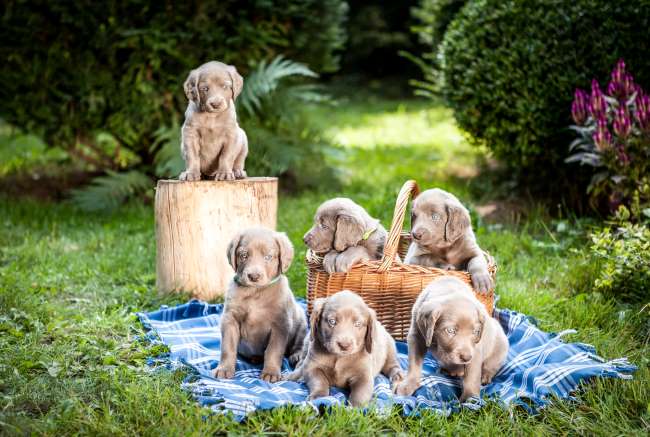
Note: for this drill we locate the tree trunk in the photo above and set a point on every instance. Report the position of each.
(195, 221)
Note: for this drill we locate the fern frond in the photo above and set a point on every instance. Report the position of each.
(105, 193)
(168, 160)
(266, 78)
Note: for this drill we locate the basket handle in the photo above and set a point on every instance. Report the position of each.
(409, 189)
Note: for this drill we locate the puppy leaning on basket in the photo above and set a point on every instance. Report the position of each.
(388, 286)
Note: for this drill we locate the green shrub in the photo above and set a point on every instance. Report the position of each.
(509, 68)
(98, 78)
(624, 260)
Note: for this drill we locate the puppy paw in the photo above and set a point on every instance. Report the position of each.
(292, 376)
(270, 375)
(317, 394)
(189, 176)
(469, 393)
(294, 358)
(343, 263)
(487, 375)
(482, 282)
(224, 372)
(397, 377)
(224, 176)
(240, 174)
(329, 262)
(406, 388)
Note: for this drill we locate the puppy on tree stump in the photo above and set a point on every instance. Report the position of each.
(212, 143)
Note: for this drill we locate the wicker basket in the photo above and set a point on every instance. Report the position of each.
(387, 285)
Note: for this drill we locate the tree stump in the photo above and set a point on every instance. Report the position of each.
(195, 221)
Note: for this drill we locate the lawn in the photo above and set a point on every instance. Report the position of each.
(72, 361)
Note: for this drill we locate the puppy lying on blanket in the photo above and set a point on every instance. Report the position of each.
(347, 348)
(449, 321)
(346, 234)
(261, 318)
(443, 237)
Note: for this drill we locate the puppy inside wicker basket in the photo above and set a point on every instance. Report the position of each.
(443, 237)
(345, 234)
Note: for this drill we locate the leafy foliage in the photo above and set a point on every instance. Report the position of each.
(614, 138)
(282, 141)
(95, 71)
(508, 70)
(624, 258)
(110, 191)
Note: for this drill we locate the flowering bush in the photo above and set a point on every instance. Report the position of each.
(614, 137)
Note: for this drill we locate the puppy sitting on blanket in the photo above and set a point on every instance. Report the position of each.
(260, 318)
(448, 320)
(346, 234)
(347, 348)
(442, 237)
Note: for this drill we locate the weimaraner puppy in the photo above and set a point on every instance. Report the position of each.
(347, 348)
(261, 318)
(443, 237)
(212, 143)
(448, 320)
(346, 234)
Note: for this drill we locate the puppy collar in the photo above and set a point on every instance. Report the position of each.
(273, 281)
(368, 233)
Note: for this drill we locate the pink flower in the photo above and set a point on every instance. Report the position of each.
(597, 106)
(580, 107)
(622, 122)
(602, 137)
(642, 112)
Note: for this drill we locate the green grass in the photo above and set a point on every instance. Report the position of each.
(70, 283)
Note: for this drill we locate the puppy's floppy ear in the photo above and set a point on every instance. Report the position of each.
(426, 320)
(314, 319)
(232, 250)
(285, 254)
(190, 86)
(457, 221)
(349, 230)
(237, 81)
(482, 317)
(370, 330)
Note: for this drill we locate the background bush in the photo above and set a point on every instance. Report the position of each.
(624, 260)
(99, 79)
(508, 69)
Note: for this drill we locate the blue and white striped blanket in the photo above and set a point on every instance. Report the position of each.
(539, 365)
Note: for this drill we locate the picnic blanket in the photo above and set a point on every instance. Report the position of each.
(539, 365)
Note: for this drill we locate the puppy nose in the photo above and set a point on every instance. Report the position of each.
(306, 238)
(344, 345)
(253, 277)
(416, 234)
(466, 356)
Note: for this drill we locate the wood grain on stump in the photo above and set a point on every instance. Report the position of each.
(195, 221)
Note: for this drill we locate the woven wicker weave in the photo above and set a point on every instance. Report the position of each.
(388, 286)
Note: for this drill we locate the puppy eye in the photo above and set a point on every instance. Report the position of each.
(322, 226)
(451, 331)
(243, 255)
(477, 332)
(268, 257)
(204, 88)
(435, 217)
(331, 322)
(357, 324)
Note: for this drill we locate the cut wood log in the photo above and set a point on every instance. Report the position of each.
(195, 221)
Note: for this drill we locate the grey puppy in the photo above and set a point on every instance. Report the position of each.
(346, 234)
(347, 348)
(448, 320)
(261, 318)
(443, 237)
(212, 143)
